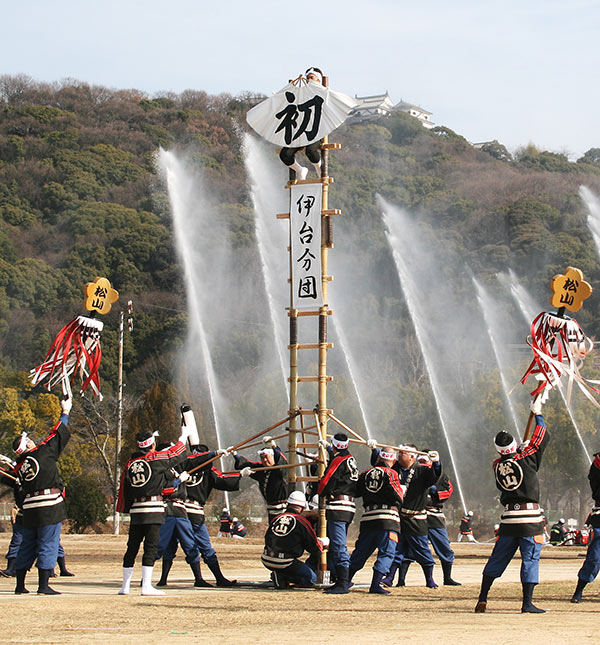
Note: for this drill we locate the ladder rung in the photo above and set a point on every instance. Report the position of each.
(321, 180)
(331, 146)
(310, 379)
(303, 478)
(311, 413)
(310, 346)
(307, 445)
(325, 213)
(329, 312)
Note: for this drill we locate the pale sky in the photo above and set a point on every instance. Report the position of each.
(518, 71)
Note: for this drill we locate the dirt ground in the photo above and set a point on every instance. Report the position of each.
(89, 609)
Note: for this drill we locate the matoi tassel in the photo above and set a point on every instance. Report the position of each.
(559, 347)
(75, 350)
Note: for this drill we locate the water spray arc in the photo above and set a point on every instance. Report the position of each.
(593, 205)
(181, 186)
(396, 228)
(486, 305)
(263, 188)
(352, 371)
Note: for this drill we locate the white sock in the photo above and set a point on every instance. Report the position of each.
(147, 588)
(127, 575)
(301, 171)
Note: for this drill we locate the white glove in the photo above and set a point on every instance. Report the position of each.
(221, 452)
(324, 542)
(246, 472)
(536, 404)
(323, 443)
(372, 443)
(267, 439)
(185, 433)
(184, 476)
(66, 405)
(525, 444)
(234, 453)
(434, 456)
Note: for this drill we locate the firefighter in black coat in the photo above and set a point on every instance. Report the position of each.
(43, 495)
(289, 535)
(271, 483)
(380, 523)
(521, 523)
(337, 489)
(144, 478)
(591, 566)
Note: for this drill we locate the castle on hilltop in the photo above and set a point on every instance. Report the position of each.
(373, 107)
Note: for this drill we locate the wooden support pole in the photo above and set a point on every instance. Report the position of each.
(298, 464)
(527, 433)
(258, 443)
(347, 428)
(5, 473)
(293, 381)
(242, 443)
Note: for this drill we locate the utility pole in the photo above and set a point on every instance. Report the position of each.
(117, 469)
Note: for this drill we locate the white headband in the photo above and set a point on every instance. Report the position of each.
(388, 456)
(340, 445)
(266, 451)
(313, 71)
(22, 444)
(147, 442)
(507, 450)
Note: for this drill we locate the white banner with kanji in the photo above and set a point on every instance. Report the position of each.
(305, 234)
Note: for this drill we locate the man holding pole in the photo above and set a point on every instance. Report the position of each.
(337, 489)
(271, 483)
(416, 479)
(521, 523)
(379, 526)
(287, 538)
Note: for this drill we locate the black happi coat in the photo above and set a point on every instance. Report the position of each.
(436, 496)
(594, 477)
(517, 480)
(382, 499)
(289, 535)
(416, 481)
(41, 488)
(271, 483)
(201, 483)
(145, 477)
(338, 487)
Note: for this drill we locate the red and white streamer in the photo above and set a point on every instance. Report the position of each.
(559, 347)
(75, 350)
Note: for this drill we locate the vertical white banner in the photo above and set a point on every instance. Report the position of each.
(305, 234)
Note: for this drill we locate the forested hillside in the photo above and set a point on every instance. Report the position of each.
(80, 197)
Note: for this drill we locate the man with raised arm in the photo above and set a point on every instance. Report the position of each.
(42, 492)
(521, 523)
(145, 476)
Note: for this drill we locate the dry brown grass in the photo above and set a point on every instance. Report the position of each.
(91, 611)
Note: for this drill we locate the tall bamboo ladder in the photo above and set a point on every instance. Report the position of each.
(320, 413)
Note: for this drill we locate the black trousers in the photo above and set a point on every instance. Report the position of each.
(149, 534)
(312, 151)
